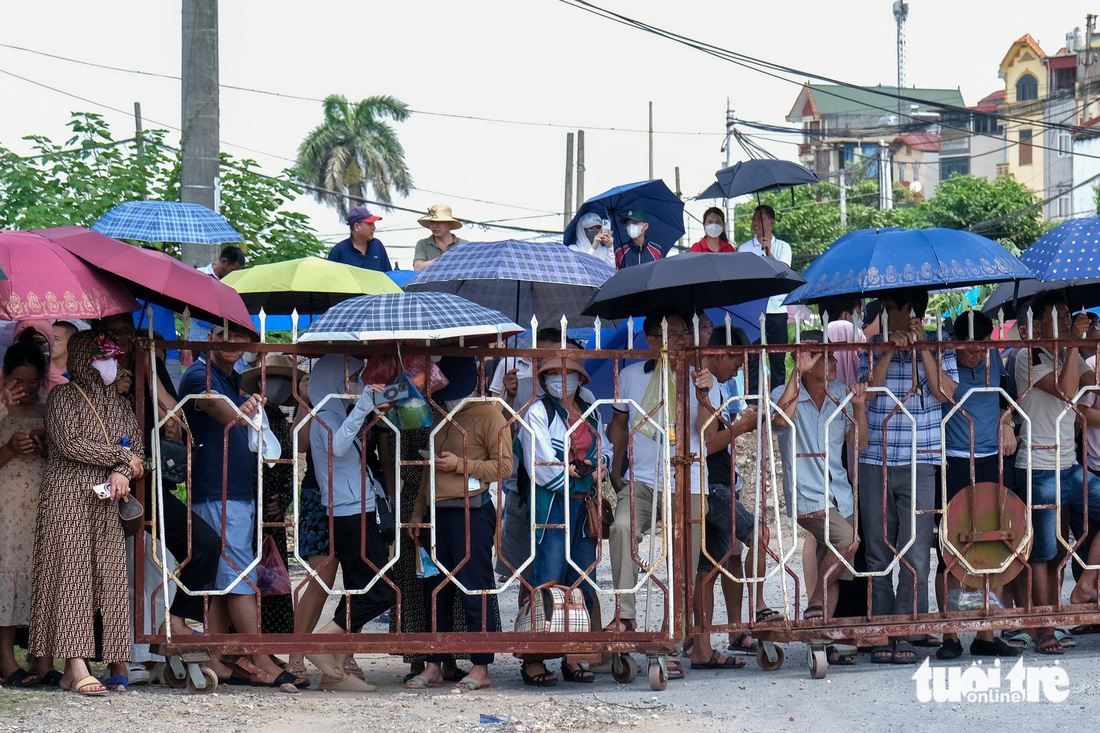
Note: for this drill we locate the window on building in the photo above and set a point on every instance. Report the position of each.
(949, 166)
(1027, 88)
(986, 124)
(1064, 143)
(1065, 202)
(1002, 170)
(1064, 79)
(1025, 147)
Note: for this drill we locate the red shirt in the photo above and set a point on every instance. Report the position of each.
(701, 246)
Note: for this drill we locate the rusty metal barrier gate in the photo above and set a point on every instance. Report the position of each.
(984, 518)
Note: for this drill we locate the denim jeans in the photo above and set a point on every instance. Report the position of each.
(550, 561)
(1044, 491)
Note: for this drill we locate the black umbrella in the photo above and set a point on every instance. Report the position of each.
(1082, 293)
(754, 176)
(690, 282)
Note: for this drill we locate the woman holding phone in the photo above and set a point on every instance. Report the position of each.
(594, 238)
(577, 455)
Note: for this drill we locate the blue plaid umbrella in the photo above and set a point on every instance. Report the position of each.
(520, 279)
(415, 316)
(871, 260)
(166, 221)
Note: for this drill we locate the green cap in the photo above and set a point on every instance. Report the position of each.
(635, 214)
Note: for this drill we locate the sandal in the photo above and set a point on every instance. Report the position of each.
(953, 649)
(740, 645)
(714, 663)
(81, 687)
(813, 613)
(1021, 640)
(472, 684)
(675, 670)
(298, 669)
(905, 653)
(882, 655)
(118, 683)
(543, 679)
(420, 682)
(263, 679)
(348, 684)
(835, 656)
(19, 679)
(454, 674)
(51, 679)
(995, 648)
(1048, 644)
(352, 667)
(1065, 639)
(688, 646)
(580, 674)
(766, 615)
(622, 625)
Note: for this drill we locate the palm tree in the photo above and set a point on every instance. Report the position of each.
(353, 147)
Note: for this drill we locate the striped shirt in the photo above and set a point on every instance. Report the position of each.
(925, 408)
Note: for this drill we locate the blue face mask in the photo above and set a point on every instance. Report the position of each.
(554, 386)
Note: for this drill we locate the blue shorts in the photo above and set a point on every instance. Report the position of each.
(239, 541)
(726, 518)
(1044, 491)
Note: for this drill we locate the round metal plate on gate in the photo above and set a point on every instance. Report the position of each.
(997, 531)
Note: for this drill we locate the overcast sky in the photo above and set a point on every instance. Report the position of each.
(535, 61)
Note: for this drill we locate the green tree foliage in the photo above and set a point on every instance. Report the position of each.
(79, 181)
(354, 146)
(1003, 209)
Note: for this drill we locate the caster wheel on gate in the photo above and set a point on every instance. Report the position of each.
(211, 683)
(624, 669)
(658, 679)
(819, 664)
(762, 658)
(170, 679)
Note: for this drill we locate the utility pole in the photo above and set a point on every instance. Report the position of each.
(651, 141)
(726, 149)
(139, 140)
(885, 179)
(568, 179)
(201, 117)
(843, 181)
(580, 169)
(679, 242)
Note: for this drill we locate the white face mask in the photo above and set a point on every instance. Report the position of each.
(108, 370)
(713, 230)
(554, 386)
(633, 230)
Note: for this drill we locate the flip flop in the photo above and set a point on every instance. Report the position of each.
(1085, 629)
(1021, 640)
(1048, 644)
(284, 678)
(138, 675)
(471, 684)
(51, 679)
(882, 655)
(730, 663)
(906, 648)
(765, 615)
(85, 682)
(675, 670)
(813, 613)
(1065, 638)
(835, 656)
(739, 644)
(454, 674)
(235, 678)
(18, 679)
(420, 682)
(118, 683)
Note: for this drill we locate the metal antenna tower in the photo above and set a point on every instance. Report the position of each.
(901, 12)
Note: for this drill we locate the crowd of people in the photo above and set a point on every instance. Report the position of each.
(857, 421)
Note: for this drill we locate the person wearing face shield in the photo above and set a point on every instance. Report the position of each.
(567, 470)
(714, 237)
(638, 250)
(593, 239)
(80, 548)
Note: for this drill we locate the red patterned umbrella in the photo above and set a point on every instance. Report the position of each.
(155, 277)
(46, 281)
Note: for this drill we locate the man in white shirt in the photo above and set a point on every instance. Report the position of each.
(775, 324)
(648, 457)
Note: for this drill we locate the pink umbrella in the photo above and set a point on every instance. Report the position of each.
(46, 281)
(155, 277)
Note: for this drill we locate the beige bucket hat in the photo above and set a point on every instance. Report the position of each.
(438, 213)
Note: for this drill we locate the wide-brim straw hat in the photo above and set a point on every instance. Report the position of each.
(439, 213)
(554, 363)
(278, 365)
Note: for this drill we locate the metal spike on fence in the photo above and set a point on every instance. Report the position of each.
(149, 319)
(664, 333)
(1000, 322)
(939, 327)
(225, 328)
(500, 335)
(630, 333)
(534, 331)
(1054, 320)
(824, 326)
(564, 327)
(1030, 316)
(185, 322)
(596, 325)
(970, 317)
(294, 326)
(729, 329)
(695, 328)
(263, 326)
(763, 329)
(798, 330)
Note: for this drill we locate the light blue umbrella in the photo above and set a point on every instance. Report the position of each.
(871, 260)
(519, 279)
(166, 221)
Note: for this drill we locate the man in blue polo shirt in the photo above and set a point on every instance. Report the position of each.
(361, 249)
(638, 249)
(221, 440)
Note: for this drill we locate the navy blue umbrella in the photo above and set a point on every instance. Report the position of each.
(756, 176)
(664, 209)
(871, 260)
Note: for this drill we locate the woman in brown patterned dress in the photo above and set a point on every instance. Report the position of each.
(80, 550)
